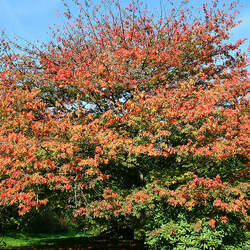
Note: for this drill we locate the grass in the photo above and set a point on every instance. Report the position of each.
(65, 241)
(29, 239)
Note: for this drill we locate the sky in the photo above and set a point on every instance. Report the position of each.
(30, 19)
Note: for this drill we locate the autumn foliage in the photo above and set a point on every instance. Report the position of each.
(124, 115)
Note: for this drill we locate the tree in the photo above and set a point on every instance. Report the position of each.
(123, 117)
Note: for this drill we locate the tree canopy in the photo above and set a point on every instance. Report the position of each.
(133, 119)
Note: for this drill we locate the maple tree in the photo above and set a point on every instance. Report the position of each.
(121, 111)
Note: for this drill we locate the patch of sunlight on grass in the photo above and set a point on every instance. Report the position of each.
(27, 239)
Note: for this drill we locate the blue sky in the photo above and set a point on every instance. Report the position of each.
(30, 19)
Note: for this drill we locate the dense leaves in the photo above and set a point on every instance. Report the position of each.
(131, 120)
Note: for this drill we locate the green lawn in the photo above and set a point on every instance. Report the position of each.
(27, 239)
(65, 241)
